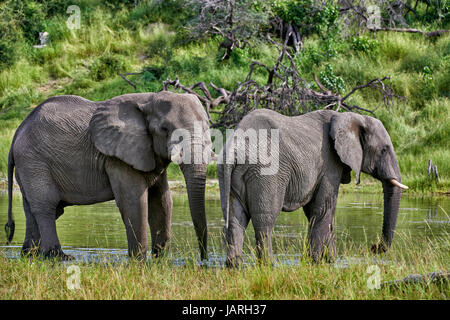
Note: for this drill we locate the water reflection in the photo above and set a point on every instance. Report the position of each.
(96, 233)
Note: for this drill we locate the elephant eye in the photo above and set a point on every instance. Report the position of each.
(383, 150)
(164, 130)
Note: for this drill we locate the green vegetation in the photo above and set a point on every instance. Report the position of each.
(153, 37)
(116, 35)
(353, 276)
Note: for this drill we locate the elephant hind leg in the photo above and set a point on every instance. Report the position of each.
(41, 198)
(320, 214)
(45, 216)
(31, 244)
(263, 225)
(235, 234)
(265, 204)
(321, 238)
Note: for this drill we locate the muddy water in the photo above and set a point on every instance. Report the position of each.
(96, 232)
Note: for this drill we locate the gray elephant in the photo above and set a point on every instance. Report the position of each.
(72, 151)
(317, 152)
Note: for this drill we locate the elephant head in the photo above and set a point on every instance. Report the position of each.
(363, 145)
(141, 133)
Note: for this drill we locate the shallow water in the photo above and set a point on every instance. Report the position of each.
(95, 233)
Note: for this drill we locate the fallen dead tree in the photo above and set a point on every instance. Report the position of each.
(436, 33)
(285, 91)
(433, 277)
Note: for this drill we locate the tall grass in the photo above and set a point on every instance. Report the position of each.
(351, 276)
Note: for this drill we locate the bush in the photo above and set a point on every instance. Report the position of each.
(7, 53)
(330, 80)
(107, 66)
(365, 45)
(31, 17)
(308, 59)
(309, 15)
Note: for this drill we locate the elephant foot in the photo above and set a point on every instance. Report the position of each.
(30, 252)
(58, 254)
(159, 251)
(141, 257)
(233, 263)
(378, 248)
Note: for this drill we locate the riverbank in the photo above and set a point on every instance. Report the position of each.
(212, 188)
(355, 275)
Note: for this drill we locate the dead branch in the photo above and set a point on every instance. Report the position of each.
(433, 277)
(123, 76)
(285, 92)
(436, 33)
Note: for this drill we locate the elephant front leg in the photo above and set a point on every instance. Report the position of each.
(130, 192)
(159, 215)
(134, 216)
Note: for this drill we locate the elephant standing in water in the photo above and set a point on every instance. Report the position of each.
(72, 151)
(317, 152)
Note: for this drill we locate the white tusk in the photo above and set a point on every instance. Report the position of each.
(398, 184)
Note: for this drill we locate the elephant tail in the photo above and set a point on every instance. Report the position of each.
(10, 225)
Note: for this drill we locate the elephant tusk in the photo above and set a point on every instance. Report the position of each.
(398, 184)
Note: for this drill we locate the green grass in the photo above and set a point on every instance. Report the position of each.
(349, 277)
(83, 62)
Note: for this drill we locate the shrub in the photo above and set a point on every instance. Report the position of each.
(330, 80)
(365, 45)
(7, 53)
(107, 65)
(309, 15)
(161, 41)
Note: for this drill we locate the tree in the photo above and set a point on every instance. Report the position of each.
(236, 21)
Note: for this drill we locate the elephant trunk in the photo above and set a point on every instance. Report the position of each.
(392, 196)
(195, 176)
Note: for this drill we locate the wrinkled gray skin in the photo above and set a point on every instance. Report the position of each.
(72, 151)
(317, 152)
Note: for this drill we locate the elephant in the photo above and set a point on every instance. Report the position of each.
(316, 153)
(73, 151)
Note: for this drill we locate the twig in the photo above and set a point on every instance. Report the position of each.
(127, 80)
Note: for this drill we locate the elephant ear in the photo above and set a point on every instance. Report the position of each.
(345, 131)
(119, 130)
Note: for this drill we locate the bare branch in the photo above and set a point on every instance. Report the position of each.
(123, 76)
(285, 91)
